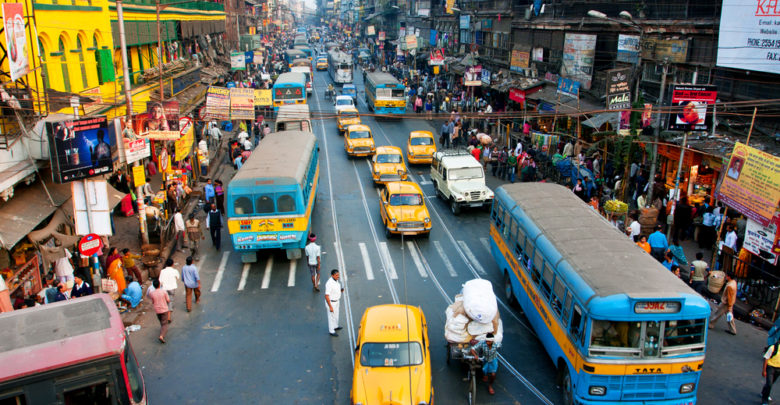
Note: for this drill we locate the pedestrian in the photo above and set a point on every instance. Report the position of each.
(63, 267)
(128, 261)
(160, 301)
(214, 225)
(489, 349)
(699, 271)
(770, 371)
(333, 290)
(179, 228)
(444, 138)
(501, 163)
(511, 166)
(726, 306)
(208, 191)
(314, 253)
(418, 104)
(191, 280)
(219, 195)
(635, 227)
(455, 134)
(429, 109)
(169, 278)
(80, 287)
(658, 243)
(194, 234)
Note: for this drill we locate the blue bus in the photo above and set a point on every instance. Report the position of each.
(619, 326)
(289, 88)
(384, 93)
(270, 200)
(306, 50)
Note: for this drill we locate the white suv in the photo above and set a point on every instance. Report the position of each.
(460, 180)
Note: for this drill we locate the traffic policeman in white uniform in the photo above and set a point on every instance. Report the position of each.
(333, 290)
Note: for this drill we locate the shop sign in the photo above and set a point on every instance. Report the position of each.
(647, 115)
(160, 121)
(751, 184)
(760, 240)
(618, 89)
(90, 244)
(370, 30)
(485, 77)
(139, 176)
(465, 21)
(473, 76)
(381, 36)
(579, 53)
(263, 97)
(258, 58)
(15, 40)
(183, 145)
(692, 113)
(517, 95)
(237, 61)
(242, 104)
(437, 58)
(628, 48)
(673, 50)
(568, 87)
(411, 42)
(519, 60)
(80, 148)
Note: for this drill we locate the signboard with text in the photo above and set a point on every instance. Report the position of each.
(242, 104)
(519, 60)
(692, 113)
(15, 40)
(749, 36)
(217, 103)
(237, 61)
(760, 240)
(263, 97)
(134, 147)
(473, 76)
(80, 148)
(628, 48)
(751, 184)
(568, 87)
(618, 89)
(579, 53)
(161, 120)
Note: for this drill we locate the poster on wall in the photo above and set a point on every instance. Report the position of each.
(538, 54)
(751, 184)
(579, 53)
(15, 40)
(160, 121)
(749, 35)
(80, 148)
(628, 48)
(237, 61)
(691, 113)
(134, 148)
(473, 76)
(760, 240)
(183, 145)
(618, 89)
(519, 60)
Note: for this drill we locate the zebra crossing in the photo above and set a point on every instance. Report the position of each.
(382, 260)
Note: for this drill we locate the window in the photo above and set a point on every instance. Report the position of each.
(242, 206)
(513, 230)
(567, 307)
(390, 354)
(97, 393)
(519, 243)
(507, 220)
(683, 332)
(134, 375)
(18, 399)
(44, 68)
(547, 280)
(64, 64)
(615, 334)
(575, 326)
(559, 291)
(82, 65)
(264, 204)
(285, 203)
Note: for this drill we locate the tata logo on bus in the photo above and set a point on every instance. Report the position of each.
(648, 370)
(657, 307)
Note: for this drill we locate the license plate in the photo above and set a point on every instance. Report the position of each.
(479, 204)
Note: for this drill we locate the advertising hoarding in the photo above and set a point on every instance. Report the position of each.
(579, 53)
(465, 21)
(618, 89)
(217, 103)
(568, 87)
(263, 97)
(242, 104)
(673, 50)
(133, 147)
(760, 239)
(485, 77)
(473, 76)
(15, 40)
(237, 61)
(628, 48)
(691, 113)
(80, 148)
(160, 122)
(519, 60)
(749, 37)
(437, 58)
(751, 183)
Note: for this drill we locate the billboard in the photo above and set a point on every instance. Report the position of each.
(133, 147)
(628, 48)
(760, 240)
(242, 104)
(15, 39)
(217, 103)
(80, 148)
(237, 61)
(519, 60)
(473, 76)
(568, 87)
(436, 58)
(465, 21)
(674, 50)
(160, 121)
(485, 77)
(751, 184)
(618, 89)
(691, 113)
(749, 36)
(263, 97)
(579, 53)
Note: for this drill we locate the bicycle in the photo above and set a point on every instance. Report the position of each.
(462, 352)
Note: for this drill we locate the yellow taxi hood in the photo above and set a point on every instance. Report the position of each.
(408, 212)
(390, 385)
(422, 149)
(389, 168)
(360, 142)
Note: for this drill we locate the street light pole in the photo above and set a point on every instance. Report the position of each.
(159, 50)
(656, 136)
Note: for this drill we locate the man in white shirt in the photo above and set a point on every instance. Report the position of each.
(518, 149)
(64, 269)
(731, 238)
(313, 253)
(635, 227)
(169, 278)
(333, 290)
(178, 223)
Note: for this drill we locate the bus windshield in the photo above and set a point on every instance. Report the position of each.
(646, 339)
(405, 199)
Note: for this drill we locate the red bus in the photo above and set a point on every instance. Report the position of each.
(69, 352)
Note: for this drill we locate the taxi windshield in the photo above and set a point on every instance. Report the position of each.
(388, 158)
(359, 135)
(422, 141)
(348, 114)
(466, 173)
(406, 199)
(391, 354)
(344, 101)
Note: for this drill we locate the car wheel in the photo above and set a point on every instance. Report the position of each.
(454, 207)
(388, 235)
(508, 293)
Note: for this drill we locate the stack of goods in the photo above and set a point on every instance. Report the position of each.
(474, 314)
(616, 207)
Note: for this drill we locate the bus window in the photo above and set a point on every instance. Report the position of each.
(285, 203)
(567, 307)
(559, 291)
(97, 393)
(134, 375)
(683, 332)
(18, 399)
(547, 280)
(398, 93)
(509, 227)
(264, 204)
(529, 250)
(575, 327)
(507, 218)
(652, 338)
(242, 206)
(498, 214)
(615, 334)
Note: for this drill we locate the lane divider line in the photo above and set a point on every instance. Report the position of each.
(445, 259)
(388, 261)
(472, 258)
(269, 265)
(485, 244)
(244, 275)
(291, 276)
(416, 259)
(366, 261)
(220, 272)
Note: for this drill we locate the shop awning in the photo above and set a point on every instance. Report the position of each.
(598, 120)
(564, 104)
(28, 208)
(370, 16)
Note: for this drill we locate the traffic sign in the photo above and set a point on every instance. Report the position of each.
(90, 244)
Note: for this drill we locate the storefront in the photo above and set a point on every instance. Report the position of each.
(699, 174)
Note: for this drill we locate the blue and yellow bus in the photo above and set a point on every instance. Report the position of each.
(289, 88)
(270, 200)
(619, 326)
(305, 49)
(290, 55)
(384, 93)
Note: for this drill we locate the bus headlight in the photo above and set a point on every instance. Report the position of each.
(687, 388)
(597, 390)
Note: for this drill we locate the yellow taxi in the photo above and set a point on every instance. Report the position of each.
(322, 63)
(347, 116)
(358, 140)
(392, 359)
(420, 147)
(403, 209)
(388, 165)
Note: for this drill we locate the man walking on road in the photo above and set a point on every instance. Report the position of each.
(333, 290)
(314, 253)
(726, 306)
(194, 234)
(160, 301)
(771, 371)
(214, 225)
(191, 280)
(169, 278)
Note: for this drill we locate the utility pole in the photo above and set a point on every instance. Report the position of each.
(129, 118)
(657, 135)
(159, 50)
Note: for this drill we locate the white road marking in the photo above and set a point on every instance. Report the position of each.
(366, 261)
(244, 275)
(387, 260)
(267, 274)
(425, 182)
(220, 272)
(472, 258)
(291, 276)
(485, 244)
(445, 259)
(416, 259)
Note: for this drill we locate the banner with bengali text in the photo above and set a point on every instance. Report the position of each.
(751, 183)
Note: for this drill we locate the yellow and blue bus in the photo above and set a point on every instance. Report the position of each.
(305, 49)
(384, 93)
(619, 326)
(270, 200)
(289, 88)
(290, 55)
